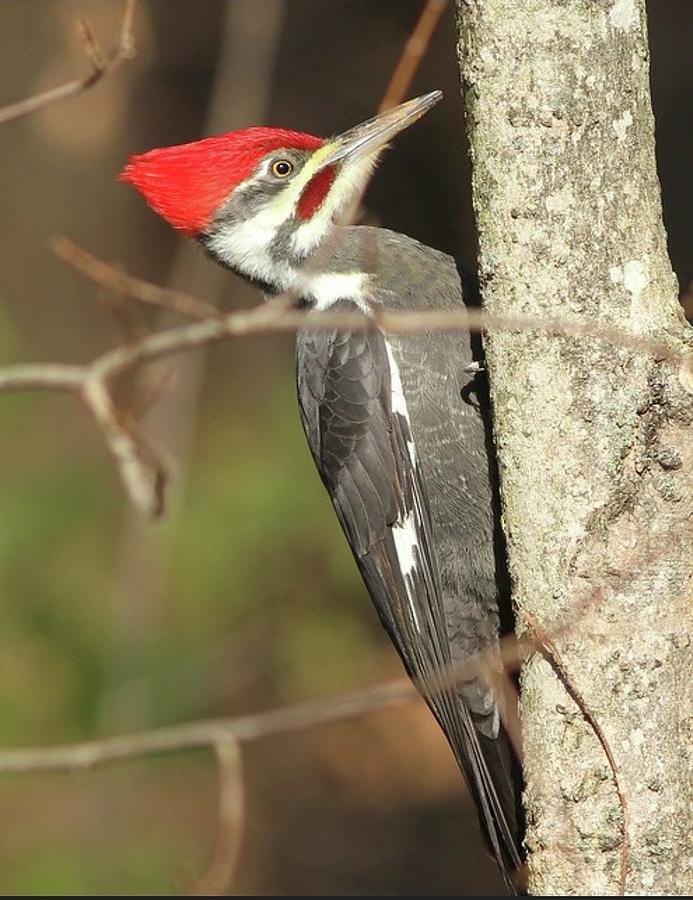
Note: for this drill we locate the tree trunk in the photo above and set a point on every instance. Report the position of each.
(594, 439)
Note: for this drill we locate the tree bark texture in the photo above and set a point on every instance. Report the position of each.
(594, 440)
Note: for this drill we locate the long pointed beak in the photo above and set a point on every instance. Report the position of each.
(373, 135)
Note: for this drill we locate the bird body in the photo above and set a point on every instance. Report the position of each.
(396, 429)
(394, 423)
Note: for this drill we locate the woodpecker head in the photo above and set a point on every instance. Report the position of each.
(262, 200)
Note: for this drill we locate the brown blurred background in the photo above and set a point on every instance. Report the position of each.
(245, 597)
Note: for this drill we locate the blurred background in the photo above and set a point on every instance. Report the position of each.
(245, 597)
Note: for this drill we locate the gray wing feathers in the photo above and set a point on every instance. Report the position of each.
(362, 451)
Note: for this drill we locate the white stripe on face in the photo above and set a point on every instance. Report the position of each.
(349, 182)
(350, 179)
(245, 245)
(283, 206)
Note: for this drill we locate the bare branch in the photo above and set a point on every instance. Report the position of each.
(219, 875)
(251, 728)
(412, 54)
(280, 315)
(116, 279)
(145, 479)
(192, 735)
(545, 645)
(402, 76)
(91, 46)
(227, 735)
(101, 66)
(143, 483)
(42, 376)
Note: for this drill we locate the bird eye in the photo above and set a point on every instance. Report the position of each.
(282, 168)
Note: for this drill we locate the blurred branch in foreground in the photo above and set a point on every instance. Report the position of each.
(101, 65)
(413, 52)
(142, 473)
(226, 736)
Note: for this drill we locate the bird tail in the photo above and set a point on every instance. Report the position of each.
(486, 763)
(492, 774)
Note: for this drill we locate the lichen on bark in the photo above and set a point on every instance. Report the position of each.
(594, 440)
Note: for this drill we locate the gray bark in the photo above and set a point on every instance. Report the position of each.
(594, 440)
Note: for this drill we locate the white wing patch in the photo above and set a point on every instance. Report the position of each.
(404, 533)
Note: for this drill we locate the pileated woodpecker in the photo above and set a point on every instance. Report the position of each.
(391, 422)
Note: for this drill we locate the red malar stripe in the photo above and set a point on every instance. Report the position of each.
(315, 192)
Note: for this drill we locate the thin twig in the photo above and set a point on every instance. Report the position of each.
(227, 735)
(267, 319)
(280, 316)
(101, 66)
(248, 729)
(251, 728)
(116, 279)
(409, 60)
(91, 46)
(220, 873)
(412, 54)
(544, 644)
(143, 482)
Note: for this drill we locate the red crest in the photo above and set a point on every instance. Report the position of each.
(186, 183)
